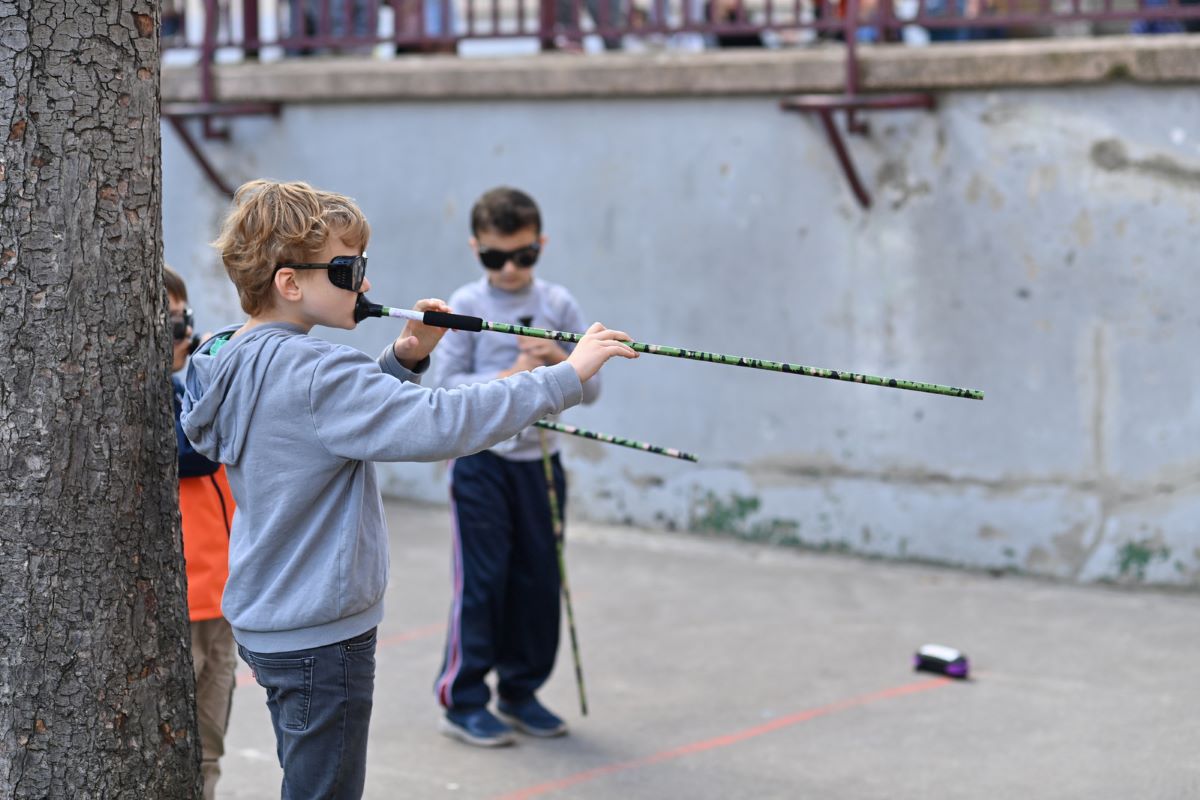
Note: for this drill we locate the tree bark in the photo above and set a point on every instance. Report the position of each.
(95, 664)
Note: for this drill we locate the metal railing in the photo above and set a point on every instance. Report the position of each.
(283, 28)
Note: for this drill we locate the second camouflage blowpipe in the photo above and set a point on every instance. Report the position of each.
(610, 439)
(440, 319)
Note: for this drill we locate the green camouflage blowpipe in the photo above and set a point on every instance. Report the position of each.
(557, 523)
(604, 437)
(465, 323)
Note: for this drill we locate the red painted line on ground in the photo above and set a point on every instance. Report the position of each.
(725, 741)
(245, 678)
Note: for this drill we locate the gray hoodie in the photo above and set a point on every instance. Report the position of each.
(297, 421)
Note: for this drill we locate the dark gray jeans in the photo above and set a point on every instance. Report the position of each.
(320, 702)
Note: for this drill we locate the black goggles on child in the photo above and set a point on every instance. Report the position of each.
(345, 272)
(180, 324)
(524, 257)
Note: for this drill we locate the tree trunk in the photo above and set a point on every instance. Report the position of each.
(95, 663)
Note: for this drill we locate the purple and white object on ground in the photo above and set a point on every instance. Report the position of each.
(942, 660)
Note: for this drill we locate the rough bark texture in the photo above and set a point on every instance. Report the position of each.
(95, 666)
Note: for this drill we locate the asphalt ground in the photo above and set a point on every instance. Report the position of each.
(720, 669)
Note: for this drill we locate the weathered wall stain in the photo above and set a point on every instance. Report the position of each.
(1111, 155)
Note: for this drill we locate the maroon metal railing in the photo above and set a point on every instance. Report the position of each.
(300, 27)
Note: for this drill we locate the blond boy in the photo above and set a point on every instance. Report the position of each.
(298, 422)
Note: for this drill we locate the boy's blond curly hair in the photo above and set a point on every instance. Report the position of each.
(273, 222)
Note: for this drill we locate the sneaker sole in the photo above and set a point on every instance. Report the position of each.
(454, 732)
(540, 733)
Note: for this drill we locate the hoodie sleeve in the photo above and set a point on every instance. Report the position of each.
(363, 414)
(391, 365)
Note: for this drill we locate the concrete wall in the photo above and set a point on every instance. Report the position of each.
(1037, 243)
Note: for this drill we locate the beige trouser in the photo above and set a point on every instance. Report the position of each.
(215, 659)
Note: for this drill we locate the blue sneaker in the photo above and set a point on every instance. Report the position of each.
(533, 718)
(476, 726)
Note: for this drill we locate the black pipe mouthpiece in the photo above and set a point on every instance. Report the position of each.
(364, 308)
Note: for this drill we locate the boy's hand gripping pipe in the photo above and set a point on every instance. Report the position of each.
(605, 437)
(461, 322)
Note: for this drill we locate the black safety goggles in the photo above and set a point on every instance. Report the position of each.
(524, 257)
(345, 272)
(181, 324)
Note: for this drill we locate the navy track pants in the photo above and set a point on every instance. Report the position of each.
(504, 612)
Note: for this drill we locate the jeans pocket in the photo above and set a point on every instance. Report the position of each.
(288, 682)
(362, 642)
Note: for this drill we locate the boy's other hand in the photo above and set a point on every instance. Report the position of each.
(545, 351)
(417, 340)
(524, 363)
(598, 345)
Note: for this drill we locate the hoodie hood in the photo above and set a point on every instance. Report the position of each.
(221, 390)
